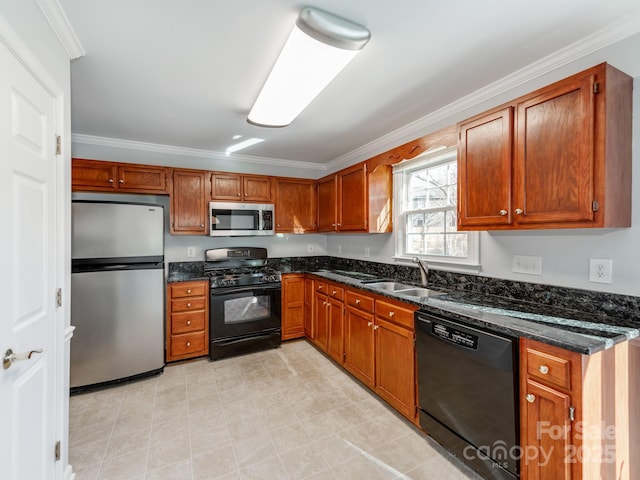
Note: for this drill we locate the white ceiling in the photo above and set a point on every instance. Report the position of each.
(185, 73)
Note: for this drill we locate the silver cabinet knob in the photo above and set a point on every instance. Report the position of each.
(238, 193)
(10, 357)
(375, 327)
(530, 397)
(519, 211)
(188, 322)
(357, 301)
(188, 344)
(189, 290)
(201, 225)
(543, 369)
(392, 314)
(188, 305)
(110, 180)
(503, 212)
(121, 181)
(333, 292)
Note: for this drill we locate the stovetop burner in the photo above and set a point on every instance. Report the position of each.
(235, 267)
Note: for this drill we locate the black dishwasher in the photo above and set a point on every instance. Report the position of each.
(467, 393)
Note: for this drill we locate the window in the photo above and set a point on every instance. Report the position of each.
(426, 211)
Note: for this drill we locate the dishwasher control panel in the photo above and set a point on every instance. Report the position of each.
(454, 335)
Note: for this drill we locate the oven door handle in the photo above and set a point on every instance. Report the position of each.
(248, 288)
(245, 338)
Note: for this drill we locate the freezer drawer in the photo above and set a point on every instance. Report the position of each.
(119, 320)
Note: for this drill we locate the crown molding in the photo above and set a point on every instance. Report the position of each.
(53, 12)
(618, 31)
(78, 138)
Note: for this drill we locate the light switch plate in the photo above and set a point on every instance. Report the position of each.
(527, 264)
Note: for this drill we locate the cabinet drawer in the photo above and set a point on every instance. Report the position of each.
(187, 343)
(359, 301)
(187, 304)
(548, 368)
(190, 289)
(320, 287)
(187, 322)
(394, 313)
(335, 292)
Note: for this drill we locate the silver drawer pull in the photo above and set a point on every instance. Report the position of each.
(530, 397)
(188, 322)
(392, 314)
(10, 357)
(357, 301)
(369, 324)
(188, 305)
(503, 212)
(188, 344)
(189, 291)
(543, 369)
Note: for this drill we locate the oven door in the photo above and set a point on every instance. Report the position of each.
(241, 311)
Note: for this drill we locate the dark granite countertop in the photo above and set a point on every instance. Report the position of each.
(585, 333)
(556, 322)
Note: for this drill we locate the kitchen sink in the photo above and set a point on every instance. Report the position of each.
(417, 292)
(403, 289)
(389, 286)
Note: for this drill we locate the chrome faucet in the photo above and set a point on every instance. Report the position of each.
(424, 270)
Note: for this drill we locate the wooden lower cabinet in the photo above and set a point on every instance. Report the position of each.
(374, 339)
(359, 344)
(395, 366)
(293, 306)
(320, 316)
(308, 309)
(187, 320)
(579, 413)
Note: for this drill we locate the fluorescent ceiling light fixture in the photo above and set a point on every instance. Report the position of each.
(318, 48)
(241, 145)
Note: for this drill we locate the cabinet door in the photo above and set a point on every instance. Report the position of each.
(321, 321)
(93, 175)
(359, 345)
(335, 343)
(327, 195)
(352, 199)
(226, 187)
(292, 306)
(142, 179)
(256, 189)
(484, 170)
(295, 206)
(545, 427)
(189, 202)
(395, 366)
(308, 309)
(554, 162)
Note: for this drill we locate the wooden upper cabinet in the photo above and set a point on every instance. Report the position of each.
(189, 202)
(295, 201)
(97, 175)
(327, 200)
(352, 199)
(93, 175)
(484, 169)
(561, 160)
(356, 200)
(240, 188)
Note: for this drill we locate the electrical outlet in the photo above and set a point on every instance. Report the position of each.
(600, 270)
(191, 252)
(366, 251)
(527, 264)
(310, 247)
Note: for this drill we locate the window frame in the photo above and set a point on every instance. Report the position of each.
(401, 175)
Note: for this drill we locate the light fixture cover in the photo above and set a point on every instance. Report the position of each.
(318, 48)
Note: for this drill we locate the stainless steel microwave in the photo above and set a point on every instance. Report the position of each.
(235, 219)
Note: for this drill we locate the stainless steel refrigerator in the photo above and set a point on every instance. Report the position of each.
(117, 291)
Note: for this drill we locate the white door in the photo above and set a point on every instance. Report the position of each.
(27, 273)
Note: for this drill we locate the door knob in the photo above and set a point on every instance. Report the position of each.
(10, 357)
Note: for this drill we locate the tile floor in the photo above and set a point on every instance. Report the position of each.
(288, 413)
